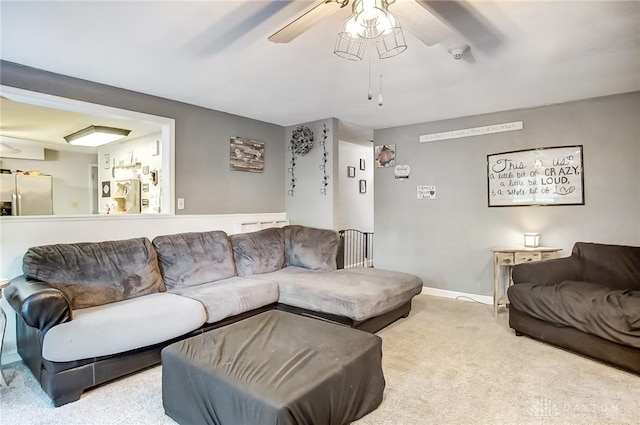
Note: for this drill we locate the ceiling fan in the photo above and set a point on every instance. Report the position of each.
(429, 21)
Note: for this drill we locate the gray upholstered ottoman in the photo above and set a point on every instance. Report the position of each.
(273, 368)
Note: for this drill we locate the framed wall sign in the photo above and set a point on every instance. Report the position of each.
(106, 189)
(351, 171)
(363, 186)
(247, 155)
(543, 176)
(385, 156)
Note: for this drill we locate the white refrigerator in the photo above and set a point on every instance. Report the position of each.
(26, 194)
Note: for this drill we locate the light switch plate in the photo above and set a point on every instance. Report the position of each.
(180, 203)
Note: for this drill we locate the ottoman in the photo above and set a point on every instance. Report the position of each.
(273, 368)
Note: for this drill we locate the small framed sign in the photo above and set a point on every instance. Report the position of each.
(106, 189)
(351, 172)
(363, 186)
(247, 155)
(426, 192)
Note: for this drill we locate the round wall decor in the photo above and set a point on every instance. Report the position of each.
(302, 140)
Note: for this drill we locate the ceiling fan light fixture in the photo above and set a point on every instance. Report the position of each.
(388, 23)
(96, 135)
(367, 12)
(349, 45)
(370, 17)
(370, 20)
(391, 43)
(351, 27)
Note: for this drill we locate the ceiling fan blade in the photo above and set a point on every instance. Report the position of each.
(420, 22)
(307, 19)
(461, 16)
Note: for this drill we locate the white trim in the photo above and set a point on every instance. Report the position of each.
(73, 105)
(93, 191)
(483, 299)
(13, 148)
(243, 217)
(18, 233)
(11, 357)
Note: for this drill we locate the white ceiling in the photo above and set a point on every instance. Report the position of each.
(216, 54)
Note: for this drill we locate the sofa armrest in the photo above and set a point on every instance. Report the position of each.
(549, 272)
(39, 304)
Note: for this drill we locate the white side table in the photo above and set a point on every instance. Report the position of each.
(508, 257)
(3, 324)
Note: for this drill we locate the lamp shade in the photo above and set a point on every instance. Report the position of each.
(532, 240)
(96, 135)
(370, 15)
(349, 45)
(391, 43)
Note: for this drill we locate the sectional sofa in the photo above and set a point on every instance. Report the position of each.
(87, 313)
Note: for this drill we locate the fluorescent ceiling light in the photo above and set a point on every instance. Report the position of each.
(96, 135)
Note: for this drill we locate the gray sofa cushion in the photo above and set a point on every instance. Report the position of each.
(118, 327)
(97, 273)
(610, 313)
(258, 252)
(311, 248)
(188, 259)
(230, 297)
(359, 294)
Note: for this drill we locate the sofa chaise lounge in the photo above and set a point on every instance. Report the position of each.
(588, 302)
(88, 313)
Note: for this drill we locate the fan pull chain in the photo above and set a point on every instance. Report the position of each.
(370, 92)
(380, 99)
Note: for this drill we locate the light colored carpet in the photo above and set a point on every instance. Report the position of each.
(450, 362)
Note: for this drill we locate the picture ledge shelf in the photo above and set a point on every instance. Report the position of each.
(132, 165)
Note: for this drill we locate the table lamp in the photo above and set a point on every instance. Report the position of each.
(532, 240)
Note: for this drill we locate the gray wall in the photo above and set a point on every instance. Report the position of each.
(307, 206)
(447, 241)
(354, 209)
(202, 173)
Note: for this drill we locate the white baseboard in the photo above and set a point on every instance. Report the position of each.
(484, 299)
(10, 357)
